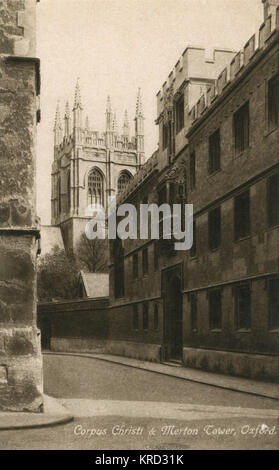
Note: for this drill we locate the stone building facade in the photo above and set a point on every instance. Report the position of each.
(215, 306)
(20, 350)
(89, 166)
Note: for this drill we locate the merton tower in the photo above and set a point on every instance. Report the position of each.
(90, 166)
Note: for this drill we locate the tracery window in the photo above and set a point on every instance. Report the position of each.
(123, 180)
(59, 196)
(95, 187)
(69, 191)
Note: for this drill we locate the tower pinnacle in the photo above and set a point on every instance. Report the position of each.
(57, 127)
(139, 129)
(126, 126)
(77, 110)
(67, 120)
(77, 102)
(139, 107)
(115, 127)
(67, 110)
(57, 121)
(109, 109)
(109, 116)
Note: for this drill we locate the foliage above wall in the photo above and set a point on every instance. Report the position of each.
(92, 255)
(57, 276)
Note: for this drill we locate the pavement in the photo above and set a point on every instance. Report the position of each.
(238, 384)
(56, 413)
(53, 415)
(116, 406)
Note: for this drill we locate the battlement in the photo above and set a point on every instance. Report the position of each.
(195, 63)
(96, 139)
(78, 132)
(93, 138)
(270, 7)
(239, 64)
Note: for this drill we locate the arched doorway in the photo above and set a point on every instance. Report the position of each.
(173, 316)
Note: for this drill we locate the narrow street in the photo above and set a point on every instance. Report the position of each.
(118, 407)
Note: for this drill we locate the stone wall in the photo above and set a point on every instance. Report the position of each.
(20, 352)
(91, 326)
(253, 258)
(74, 325)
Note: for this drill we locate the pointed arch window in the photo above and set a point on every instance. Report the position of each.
(59, 196)
(123, 181)
(69, 190)
(95, 187)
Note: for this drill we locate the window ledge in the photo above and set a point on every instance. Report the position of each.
(270, 131)
(213, 173)
(272, 227)
(274, 330)
(243, 238)
(216, 330)
(243, 330)
(192, 258)
(213, 250)
(178, 131)
(240, 154)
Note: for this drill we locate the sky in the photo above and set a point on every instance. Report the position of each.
(116, 46)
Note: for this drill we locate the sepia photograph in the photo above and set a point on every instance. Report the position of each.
(139, 228)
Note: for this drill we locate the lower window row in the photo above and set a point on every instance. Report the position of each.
(242, 306)
(142, 318)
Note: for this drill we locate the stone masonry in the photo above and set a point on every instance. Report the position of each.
(90, 166)
(20, 351)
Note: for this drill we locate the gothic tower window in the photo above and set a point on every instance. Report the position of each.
(95, 187)
(69, 191)
(59, 196)
(123, 180)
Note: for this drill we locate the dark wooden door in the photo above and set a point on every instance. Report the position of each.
(46, 334)
(173, 324)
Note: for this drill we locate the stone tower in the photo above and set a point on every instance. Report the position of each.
(90, 166)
